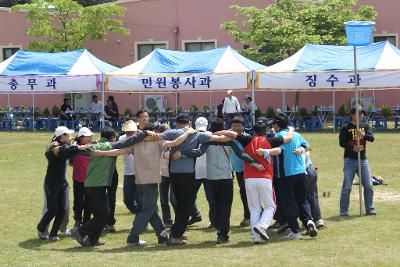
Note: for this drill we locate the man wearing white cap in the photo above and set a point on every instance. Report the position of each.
(200, 178)
(248, 108)
(55, 182)
(230, 109)
(129, 189)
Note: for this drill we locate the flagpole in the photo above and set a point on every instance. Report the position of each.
(358, 126)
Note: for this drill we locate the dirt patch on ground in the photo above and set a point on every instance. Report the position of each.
(381, 194)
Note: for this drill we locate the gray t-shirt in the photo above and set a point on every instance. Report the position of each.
(185, 165)
(218, 163)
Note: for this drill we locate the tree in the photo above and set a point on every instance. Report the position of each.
(63, 25)
(10, 3)
(281, 29)
(278, 31)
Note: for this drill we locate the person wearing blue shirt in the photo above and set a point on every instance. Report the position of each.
(294, 184)
(237, 126)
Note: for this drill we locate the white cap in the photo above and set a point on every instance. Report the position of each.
(201, 124)
(246, 96)
(62, 130)
(229, 92)
(129, 126)
(84, 131)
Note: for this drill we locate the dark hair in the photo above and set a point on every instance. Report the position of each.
(78, 140)
(160, 128)
(140, 112)
(281, 120)
(217, 125)
(149, 126)
(108, 133)
(111, 98)
(260, 128)
(94, 96)
(66, 99)
(249, 98)
(238, 119)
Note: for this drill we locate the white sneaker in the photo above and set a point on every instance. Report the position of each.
(262, 232)
(67, 232)
(320, 223)
(293, 236)
(312, 229)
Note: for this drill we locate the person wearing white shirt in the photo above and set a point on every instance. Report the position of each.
(131, 201)
(248, 108)
(230, 109)
(96, 105)
(201, 124)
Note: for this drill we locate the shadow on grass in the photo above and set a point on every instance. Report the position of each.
(33, 244)
(338, 218)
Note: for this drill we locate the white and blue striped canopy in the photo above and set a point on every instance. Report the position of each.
(166, 70)
(41, 72)
(328, 67)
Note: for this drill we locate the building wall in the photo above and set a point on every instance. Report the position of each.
(177, 21)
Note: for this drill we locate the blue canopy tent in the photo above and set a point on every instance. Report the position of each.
(175, 71)
(52, 73)
(331, 68)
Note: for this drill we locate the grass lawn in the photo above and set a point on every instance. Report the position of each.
(352, 241)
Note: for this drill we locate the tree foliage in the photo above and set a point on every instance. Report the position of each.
(63, 25)
(10, 3)
(282, 28)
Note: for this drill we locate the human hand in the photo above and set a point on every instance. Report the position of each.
(151, 133)
(84, 147)
(260, 167)
(361, 133)
(97, 153)
(191, 131)
(358, 148)
(176, 155)
(299, 151)
(260, 151)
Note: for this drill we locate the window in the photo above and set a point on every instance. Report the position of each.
(199, 46)
(146, 48)
(390, 38)
(9, 51)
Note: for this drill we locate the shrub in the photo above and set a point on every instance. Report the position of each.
(342, 110)
(128, 112)
(46, 112)
(193, 108)
(257, 113)
(385, 110)
(55, 111)
(270, 112)
(303, 112)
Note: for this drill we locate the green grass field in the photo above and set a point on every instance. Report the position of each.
(352, 241)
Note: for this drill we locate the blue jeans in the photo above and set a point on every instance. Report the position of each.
(131, 200)
(350, 169)
(228, 119)
(166, 196)
(148, 214)
(194, 212)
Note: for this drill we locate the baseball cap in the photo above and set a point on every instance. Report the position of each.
(360, 109)
(183, 118)
(229, 92)
(129, 126)
(62, 130)
(84, 131)
(246, 96)
(201, 124)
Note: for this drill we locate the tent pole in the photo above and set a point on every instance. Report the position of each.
(253, 114)
(358, 126)
(140, 102)
(33, 112)
(8, 101)
(334, 110)
(210, 102)
(176, 103)
(283, 101)
(103, 115)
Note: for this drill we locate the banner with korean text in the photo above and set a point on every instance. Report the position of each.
(49, 84)
(177, 82)
(328, 81)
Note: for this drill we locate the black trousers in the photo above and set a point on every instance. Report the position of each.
(81, 204)
(112, 197)
(183, 188)
(294, 195)
(167, 196)
(312, 192)
(279, 215)
(243, 196)
(56, 195)
(99, 205)
(222, 192)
